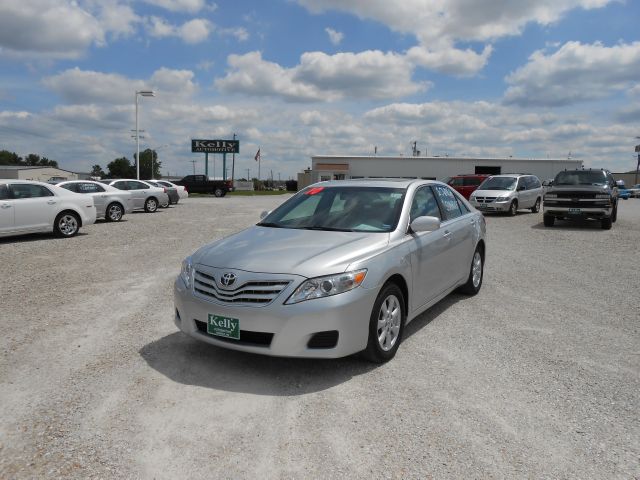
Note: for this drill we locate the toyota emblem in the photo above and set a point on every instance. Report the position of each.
(227, 279)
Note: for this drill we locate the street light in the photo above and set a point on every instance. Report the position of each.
(144, 93)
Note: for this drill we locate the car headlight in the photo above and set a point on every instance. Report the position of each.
(603, 195)
(502, 199)
(551, 195)
(186, 272)
(320, 287)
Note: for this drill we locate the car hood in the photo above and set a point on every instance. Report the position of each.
(579, 189)
(492, 193)
(309, 253)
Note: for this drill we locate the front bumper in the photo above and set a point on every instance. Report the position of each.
(291, 326)
(582, 212)
(492, 207)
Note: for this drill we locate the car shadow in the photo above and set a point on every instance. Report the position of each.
(431, 314)
(189, 362)
(35, 237)
(571, 225)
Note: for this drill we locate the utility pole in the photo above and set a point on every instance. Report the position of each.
(194, 165)
(233, 163)
(248, 175)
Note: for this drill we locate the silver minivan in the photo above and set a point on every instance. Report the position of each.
(508, 193)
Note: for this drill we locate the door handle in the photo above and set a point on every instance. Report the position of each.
(51, 202)
(473, 221)
(446, 234)
(6, 205)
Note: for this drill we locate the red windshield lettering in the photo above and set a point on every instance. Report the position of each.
(314, 191)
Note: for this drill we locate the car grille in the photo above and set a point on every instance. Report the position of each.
(249, 293)
(247, 337)
(485, 199)
(576, 195)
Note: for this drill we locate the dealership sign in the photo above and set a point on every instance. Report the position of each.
(215, 146)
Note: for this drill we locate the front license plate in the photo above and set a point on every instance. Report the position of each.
(574, 210)
(223, 326)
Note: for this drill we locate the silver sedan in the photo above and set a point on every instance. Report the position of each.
(111, 203)
(339, 268)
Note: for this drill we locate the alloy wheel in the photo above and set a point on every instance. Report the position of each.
(389, 320)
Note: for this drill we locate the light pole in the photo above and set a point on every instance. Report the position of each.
(144, 93)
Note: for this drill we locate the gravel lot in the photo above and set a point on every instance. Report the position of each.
(536, 377)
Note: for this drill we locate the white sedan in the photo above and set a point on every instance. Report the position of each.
(111, 203)
(182, 190)
(31, 207)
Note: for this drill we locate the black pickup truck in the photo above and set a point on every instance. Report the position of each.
(201, 184)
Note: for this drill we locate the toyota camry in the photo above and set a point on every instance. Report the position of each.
(339, 268)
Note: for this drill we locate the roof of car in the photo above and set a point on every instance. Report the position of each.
(374, 182)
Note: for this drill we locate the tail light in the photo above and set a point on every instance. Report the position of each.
(185, 189)
(164, 189)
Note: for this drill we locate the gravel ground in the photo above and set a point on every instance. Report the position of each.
(535, 377)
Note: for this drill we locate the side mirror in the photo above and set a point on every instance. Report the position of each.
(425, 224)
(264, 214)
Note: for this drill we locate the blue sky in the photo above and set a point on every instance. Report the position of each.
(297, 78)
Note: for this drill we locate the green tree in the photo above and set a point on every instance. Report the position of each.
(146, 159)
(32, 160)
(121, 168)
(45, 162)
(9, 158)
(96, 171)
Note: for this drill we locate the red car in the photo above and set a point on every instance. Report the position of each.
(466, 184)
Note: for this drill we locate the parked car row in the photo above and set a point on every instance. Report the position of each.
(30, 207)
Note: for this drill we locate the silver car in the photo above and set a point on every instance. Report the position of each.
(508, 194)
(145, 197)
(341, 267)
(111, 203)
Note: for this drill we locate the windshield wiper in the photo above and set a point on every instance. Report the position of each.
(269, 224)
(327, 229)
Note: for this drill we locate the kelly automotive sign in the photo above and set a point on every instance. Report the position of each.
(215, 146)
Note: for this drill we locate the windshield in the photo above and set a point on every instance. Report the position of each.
(498, 183)
(344, 209)
(581, 177)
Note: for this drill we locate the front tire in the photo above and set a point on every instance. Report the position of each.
(218, 192)
(614, 215)
(67, 224)
(165, 204)
(474, 282)
(605, 223)
(549, 220)
(513, 208)
(114, 212)
(150, 205)
(386, 324)
(536, 207)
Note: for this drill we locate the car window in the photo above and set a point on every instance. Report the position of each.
(72, 187)
(137, 186)
(448, 202)
(534, 182)
(522, 183)
(4, 192)
(424, 204)
(472, 181)
(456, 182)
(121, 185)
(89, 188)
(28, 190)
(166, 184)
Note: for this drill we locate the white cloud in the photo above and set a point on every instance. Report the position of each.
(34, 28)
(439, 25)
(194, 31)
(334, 36)
(239, 33)
(77, 86)
(322, 77)
(451, 60)
(189, 6)
(118, 19)
(575, 73)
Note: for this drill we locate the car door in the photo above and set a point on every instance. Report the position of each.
(428, 251)
(35, 206)
(140, 191)
(458, 227)
(98, 193)
(6, 210)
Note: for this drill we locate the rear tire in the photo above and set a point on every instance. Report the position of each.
(218, 192)
(165, 204)
(605, 223)
(67, 224)
(549, 220)
(114, 212)
(614, 214)
(150, 205)
(386, 324)
(536, 207)
(513, 208)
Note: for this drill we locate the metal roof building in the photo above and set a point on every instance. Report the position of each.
(336, 167)
(41, 174)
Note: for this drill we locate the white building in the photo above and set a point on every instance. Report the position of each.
(41, 174)
(335, 167)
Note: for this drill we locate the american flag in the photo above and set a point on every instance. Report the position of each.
(257, 157)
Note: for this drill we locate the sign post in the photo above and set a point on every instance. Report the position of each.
(215, 146)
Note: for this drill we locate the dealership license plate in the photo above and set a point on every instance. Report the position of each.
(574, 210)
(223, 327)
